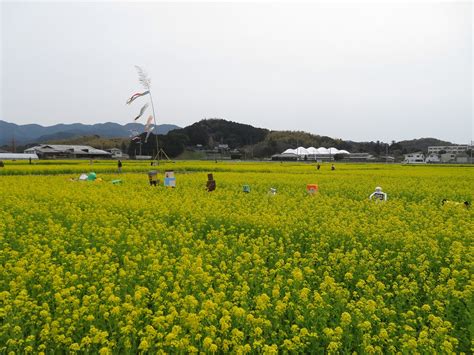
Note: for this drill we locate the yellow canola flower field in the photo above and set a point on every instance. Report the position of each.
(93, 267)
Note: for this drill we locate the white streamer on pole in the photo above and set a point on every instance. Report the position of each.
(148, 123)
(142, 111)
(137, 95)
(148, 133)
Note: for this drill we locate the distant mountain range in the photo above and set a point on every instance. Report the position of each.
(256, 142)
(33, 133)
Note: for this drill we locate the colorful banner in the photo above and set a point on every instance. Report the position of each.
(134, 96)
(148, 134)
(148, 123)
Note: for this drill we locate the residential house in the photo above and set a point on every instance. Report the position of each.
(414, 158)
(433, 158)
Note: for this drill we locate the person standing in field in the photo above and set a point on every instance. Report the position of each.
(378, 195)
(211, 183)
(119, 166)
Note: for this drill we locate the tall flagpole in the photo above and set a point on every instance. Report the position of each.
(146, 82)
(156, 128)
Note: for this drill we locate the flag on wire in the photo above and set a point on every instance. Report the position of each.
(133, 133)
(138, 94)
(142, 110)
(135, 136)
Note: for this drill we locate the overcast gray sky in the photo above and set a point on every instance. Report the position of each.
(363, 71)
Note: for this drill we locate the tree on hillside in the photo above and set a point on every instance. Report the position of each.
(173, 144)
(208, 132)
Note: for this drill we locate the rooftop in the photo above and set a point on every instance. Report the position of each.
(62, 148)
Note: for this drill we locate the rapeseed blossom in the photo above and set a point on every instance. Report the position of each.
(102, 268)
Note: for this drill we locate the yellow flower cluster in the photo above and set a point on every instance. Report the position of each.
(103, 268)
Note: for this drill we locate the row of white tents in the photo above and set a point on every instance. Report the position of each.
(301, 151)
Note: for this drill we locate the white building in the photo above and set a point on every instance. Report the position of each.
(453, 149)
(414, 158)
(116, 153)
(433, 158)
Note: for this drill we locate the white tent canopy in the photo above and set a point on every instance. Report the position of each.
(322, 150)
(312, 151)
(302, 151)
(17, 156)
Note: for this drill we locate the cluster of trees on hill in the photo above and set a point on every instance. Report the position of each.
(213, 131)
(172, 143)
(207, 133)
(414, 145)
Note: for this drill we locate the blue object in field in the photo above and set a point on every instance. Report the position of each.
(170, 180)
(246, 188)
